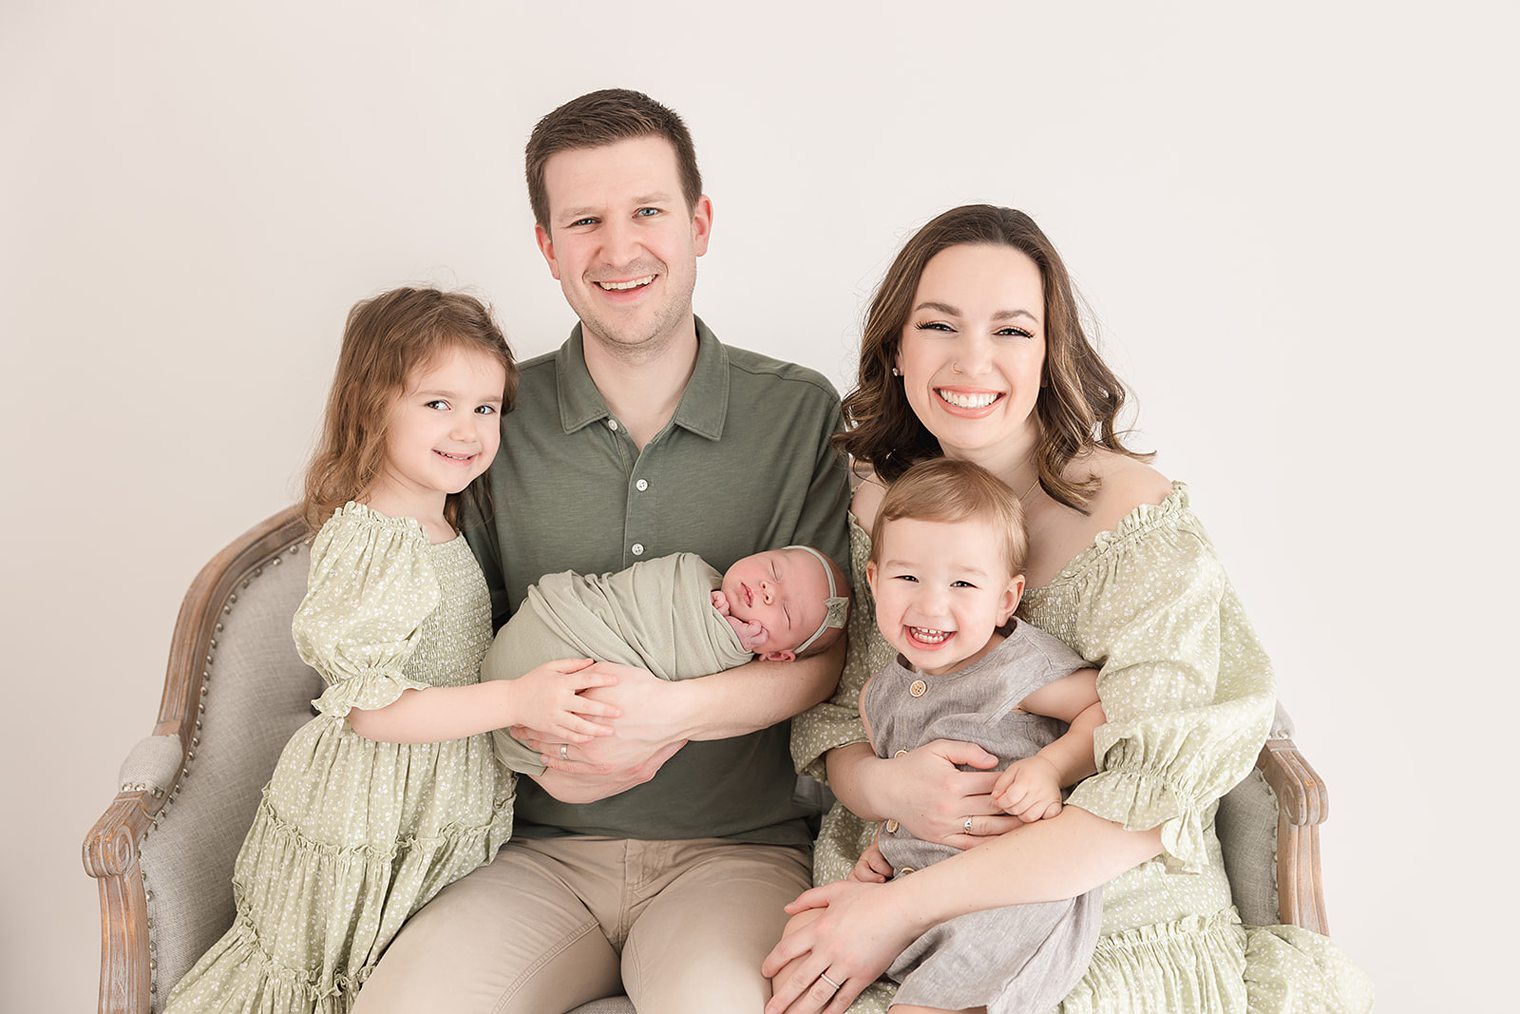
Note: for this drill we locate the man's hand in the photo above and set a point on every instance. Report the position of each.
(1030, 789)
(650, 721)
(570, 788)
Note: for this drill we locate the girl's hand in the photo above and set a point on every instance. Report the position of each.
(872, 867)
(548, 700)
(933, 798)
(854, 934)
(1030, 789)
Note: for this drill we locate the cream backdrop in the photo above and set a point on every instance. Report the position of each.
(1294, 225)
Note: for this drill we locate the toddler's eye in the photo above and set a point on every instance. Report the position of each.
(906, 577)
(962, 584)
(439, 404)
(486, 409)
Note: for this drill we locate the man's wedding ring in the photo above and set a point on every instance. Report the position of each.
(824, 976)
(564, 755)
(967, 825)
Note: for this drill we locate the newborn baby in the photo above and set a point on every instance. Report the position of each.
(675, 616)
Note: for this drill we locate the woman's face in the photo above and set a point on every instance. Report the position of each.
(973, 347)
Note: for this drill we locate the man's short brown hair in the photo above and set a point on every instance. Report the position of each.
(601, 118)
(946, 489)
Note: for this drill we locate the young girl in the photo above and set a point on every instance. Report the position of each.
(946, 570)
(392, 792)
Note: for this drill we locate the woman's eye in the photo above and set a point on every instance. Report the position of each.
(933, 325)
(1013, 332)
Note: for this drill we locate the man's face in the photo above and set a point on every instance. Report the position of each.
(622, 242)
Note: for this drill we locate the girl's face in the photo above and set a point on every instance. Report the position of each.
(444, 429)
(973, 347)
(942, 590)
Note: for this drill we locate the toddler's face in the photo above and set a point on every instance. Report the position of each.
(942, 589)
(784, 590)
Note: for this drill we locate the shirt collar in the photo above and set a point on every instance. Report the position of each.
(703, 406)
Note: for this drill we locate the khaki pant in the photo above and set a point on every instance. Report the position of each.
(681, 926)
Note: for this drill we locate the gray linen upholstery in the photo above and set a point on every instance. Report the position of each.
(151, 765)
(257, 694)
(1247, 828)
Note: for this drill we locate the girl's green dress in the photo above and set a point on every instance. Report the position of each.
(1189, 697)
(352, 836)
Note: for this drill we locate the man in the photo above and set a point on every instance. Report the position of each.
(666, 873)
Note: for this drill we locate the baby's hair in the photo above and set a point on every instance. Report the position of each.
(385, 340)
(945, 489)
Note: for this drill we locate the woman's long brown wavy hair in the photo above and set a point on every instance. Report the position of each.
(1080, 398)
(385, 340)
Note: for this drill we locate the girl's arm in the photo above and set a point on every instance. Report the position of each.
(549, 694)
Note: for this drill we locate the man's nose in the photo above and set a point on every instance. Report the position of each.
(619, 242)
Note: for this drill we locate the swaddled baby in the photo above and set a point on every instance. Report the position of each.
(675, 616)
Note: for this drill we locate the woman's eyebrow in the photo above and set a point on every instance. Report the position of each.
(1009, 314)
(930, 304)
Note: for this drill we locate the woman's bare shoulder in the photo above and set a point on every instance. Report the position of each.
(1126, 484)
(866, 500)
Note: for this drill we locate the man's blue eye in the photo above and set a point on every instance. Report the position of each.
(646, 212)
(582, 221)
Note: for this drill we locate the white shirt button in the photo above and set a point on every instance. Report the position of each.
(612, 425)
(641, 485)
(638, 549)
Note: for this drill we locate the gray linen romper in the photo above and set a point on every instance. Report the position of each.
(1013, 960)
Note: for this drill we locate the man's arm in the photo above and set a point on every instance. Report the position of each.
(657, 713)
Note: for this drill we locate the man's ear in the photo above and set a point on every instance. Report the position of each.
(780, 656)
(546, 247)
(1011, 596)
(701, 225)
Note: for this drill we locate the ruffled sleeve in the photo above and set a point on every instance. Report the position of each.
(371, 586)
(1184, 681)
(836, 722)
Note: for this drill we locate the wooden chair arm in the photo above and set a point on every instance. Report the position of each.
(112, 847)
(1302, 805)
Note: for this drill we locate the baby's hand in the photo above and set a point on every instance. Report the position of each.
(751, 632)
(872, 867)
(1030, 789)
(720, 601)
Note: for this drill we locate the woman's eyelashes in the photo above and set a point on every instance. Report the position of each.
(943, 328)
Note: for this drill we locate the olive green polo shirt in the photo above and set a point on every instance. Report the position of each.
(744, 465)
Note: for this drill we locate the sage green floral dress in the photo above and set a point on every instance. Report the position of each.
(352, 836)
(1189, 697)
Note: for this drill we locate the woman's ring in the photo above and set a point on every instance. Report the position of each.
(824, 976)
(967, 825)
(564, 755)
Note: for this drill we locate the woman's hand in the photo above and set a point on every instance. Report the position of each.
(843, 934)
(926, 792)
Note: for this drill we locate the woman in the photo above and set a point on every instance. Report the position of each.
(974, 349)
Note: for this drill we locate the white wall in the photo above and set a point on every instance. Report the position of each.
(1294, 223)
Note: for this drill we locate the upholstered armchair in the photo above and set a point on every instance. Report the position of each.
(235, 691)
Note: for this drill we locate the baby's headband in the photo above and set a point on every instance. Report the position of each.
(838, 606)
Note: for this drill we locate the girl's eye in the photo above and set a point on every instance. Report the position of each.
(486, 409)
(906, 577)
(933, 325)
(439, 404)
(962, 584)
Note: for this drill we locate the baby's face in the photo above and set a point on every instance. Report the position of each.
(784, 590)
(942, 589)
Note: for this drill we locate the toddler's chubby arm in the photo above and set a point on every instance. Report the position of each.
(1030, 789)
(750, 632)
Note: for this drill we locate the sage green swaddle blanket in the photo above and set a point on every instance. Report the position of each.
(657, 614)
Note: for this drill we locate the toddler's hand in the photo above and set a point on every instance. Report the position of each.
(872, 867)
(1030, 789)
(548, 699)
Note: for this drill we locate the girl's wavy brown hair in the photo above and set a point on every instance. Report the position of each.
(385, 340)
(1080, 398)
